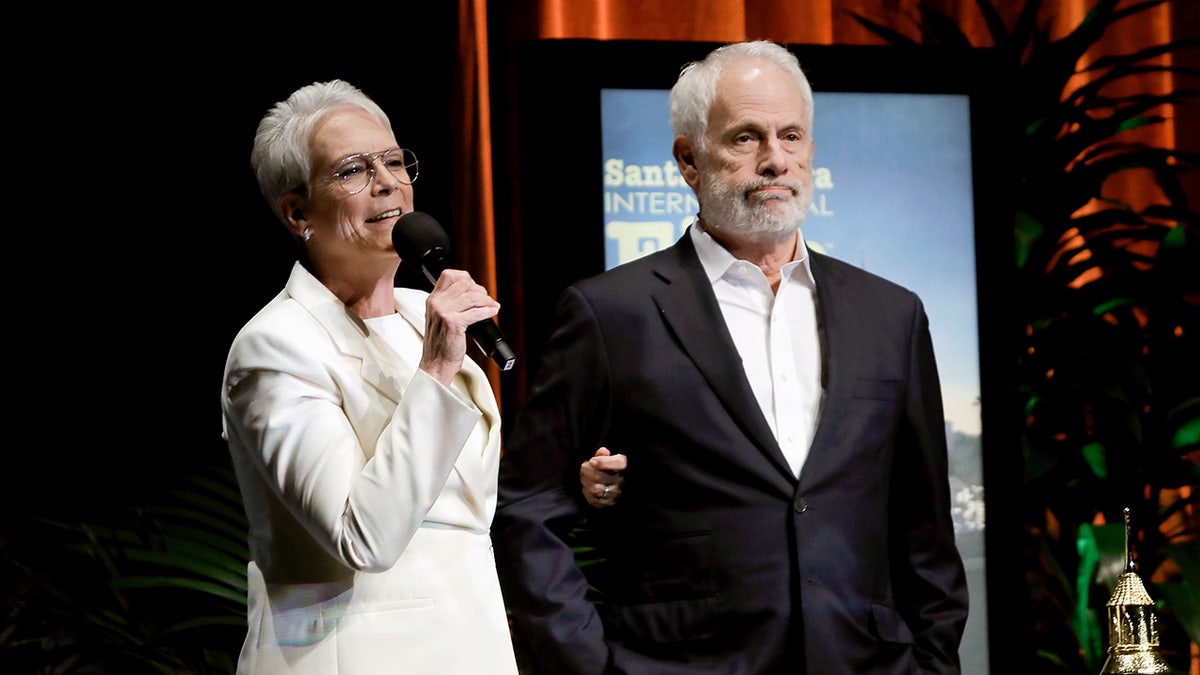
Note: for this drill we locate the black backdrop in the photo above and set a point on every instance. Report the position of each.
(140, 244)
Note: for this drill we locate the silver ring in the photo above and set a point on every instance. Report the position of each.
(605, 495)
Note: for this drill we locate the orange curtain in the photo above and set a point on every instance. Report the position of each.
(832, 22)
(809, 21)
(472, 209)
(787, 21)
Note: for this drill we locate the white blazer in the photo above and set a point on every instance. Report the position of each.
(370, 489)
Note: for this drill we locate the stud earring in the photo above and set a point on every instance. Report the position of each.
(307, 233)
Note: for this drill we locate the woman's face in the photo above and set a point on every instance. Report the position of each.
(349, 226)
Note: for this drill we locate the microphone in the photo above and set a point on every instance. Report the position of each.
(424, 247)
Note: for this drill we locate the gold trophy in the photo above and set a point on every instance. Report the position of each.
(1132, 624)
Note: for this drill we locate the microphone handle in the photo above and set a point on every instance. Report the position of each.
(432, 264)
(491, 342)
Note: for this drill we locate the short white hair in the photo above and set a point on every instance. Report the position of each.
(693, 94)
(281, 157)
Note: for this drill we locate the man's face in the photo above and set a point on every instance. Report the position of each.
(755, 176)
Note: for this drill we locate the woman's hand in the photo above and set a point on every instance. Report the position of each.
(456, 302)
(601, 478)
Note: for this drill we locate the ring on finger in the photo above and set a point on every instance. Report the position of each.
(605, 495)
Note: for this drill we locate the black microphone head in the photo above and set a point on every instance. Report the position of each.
(417, 234)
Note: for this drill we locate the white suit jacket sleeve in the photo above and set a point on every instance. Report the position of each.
(355, 441)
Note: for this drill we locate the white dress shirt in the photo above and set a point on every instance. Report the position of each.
(776, 336)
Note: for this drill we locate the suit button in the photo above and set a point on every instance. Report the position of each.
(801, 505)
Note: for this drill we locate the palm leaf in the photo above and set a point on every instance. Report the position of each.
(1109, 295)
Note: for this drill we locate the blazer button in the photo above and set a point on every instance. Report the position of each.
(801, 505)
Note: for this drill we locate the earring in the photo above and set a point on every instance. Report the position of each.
(307, 233)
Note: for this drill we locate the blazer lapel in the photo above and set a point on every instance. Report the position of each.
(473, 466)
(840, 327)
(380, 365)
(688, 305)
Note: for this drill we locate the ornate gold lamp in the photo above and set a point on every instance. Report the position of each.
(1132, 624)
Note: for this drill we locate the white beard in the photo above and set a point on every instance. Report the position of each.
(752, 219)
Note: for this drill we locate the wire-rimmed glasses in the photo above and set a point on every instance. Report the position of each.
(355, 173)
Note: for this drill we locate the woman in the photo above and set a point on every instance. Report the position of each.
(365, 444)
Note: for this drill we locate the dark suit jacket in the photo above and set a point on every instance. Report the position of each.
(718, 559)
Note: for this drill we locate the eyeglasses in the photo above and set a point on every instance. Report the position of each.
(355, 173)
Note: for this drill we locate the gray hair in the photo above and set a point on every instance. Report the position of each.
(693, 94)
(281, 157)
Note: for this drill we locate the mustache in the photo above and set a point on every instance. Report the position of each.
(747, 188)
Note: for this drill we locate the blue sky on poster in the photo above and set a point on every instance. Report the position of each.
(893, 195)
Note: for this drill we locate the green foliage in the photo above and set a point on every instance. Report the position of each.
(1110, 298)
(158, 589)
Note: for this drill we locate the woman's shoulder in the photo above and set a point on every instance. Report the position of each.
(281, 312)
(283, 326)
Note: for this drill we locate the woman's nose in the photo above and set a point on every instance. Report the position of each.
(385, 181)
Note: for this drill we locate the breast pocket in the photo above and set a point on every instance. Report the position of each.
(877, 389)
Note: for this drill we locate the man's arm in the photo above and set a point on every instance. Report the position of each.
(934, 596)
(540, 500)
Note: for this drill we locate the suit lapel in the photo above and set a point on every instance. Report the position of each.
(473, 467)
(840, 326)
(381, 367)
(379, 364)
(687, 304)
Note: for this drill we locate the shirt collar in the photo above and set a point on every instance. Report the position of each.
(715, 259)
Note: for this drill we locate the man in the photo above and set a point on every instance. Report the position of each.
(786, 505)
